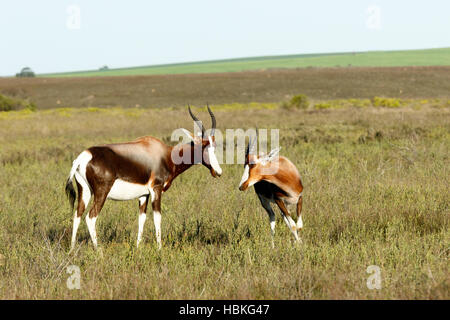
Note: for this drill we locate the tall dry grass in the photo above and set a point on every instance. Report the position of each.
(376, 193)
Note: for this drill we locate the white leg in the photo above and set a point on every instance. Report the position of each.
(266, 205)
(142, 218)
(287, 221)
(299, 225)
(91, 227)
(299, 222)
(157, 221)
(293, 228)
(291, 225)
(272, 225)
(272, 229)
(76, 223)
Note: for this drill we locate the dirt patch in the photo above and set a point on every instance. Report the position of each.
(242, 87)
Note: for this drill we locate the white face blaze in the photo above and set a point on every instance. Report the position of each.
(245, 175)
(212, 158)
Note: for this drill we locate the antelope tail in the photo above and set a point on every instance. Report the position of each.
(70, 191)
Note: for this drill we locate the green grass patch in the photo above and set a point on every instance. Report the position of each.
(427, 57)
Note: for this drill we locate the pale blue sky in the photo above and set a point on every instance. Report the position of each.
(134, 33)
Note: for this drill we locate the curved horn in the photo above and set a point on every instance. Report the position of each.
(247, 150)
(251, 143)
(197, 122)
(213, 120)
(254, 141)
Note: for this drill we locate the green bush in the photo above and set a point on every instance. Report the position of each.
(300, 101)
(387, 102)
(9, 104)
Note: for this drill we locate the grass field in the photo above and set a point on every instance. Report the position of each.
(376, 193)
(427, 57)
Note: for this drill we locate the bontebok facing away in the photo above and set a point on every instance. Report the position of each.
(142, 169)
(276, 179)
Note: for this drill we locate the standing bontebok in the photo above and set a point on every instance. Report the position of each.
(276, 179)
(140, 169)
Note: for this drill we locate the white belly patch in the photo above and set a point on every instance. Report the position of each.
(122, 190)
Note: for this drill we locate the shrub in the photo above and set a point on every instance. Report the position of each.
(300, 101)
(6, 104)
(359, 103)
(387, 102)
(9, 104)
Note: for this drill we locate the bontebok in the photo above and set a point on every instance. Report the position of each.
(276, 179)
(142, 169)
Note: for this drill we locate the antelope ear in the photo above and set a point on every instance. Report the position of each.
(190, 136)
(272, 155)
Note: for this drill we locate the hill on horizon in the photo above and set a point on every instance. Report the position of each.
(423, 57)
